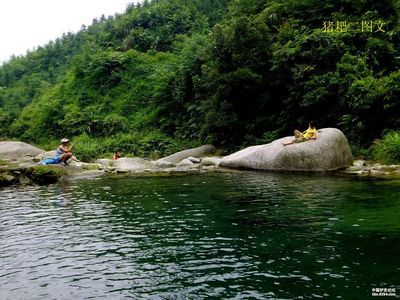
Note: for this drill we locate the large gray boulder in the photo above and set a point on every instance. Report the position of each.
(194, 152)
(330, 151)
(134, 164)
(18, 151)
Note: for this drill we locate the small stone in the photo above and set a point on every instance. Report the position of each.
(194, 159)
(211, 161)
(358, 163)
(185, 163)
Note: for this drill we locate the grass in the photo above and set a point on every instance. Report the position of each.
(387, 150)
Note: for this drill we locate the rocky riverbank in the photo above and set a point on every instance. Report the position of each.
(20, 162)
(365, 168)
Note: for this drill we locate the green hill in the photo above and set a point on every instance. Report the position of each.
(170, 74)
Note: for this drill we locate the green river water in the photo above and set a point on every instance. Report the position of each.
(244, 235)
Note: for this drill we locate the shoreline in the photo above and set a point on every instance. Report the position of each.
(15, 175)
(21, 163)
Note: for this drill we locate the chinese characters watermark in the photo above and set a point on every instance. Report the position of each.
(362, 26)
(383, 292)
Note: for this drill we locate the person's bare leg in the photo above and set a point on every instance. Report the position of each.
(289, 143)
(65, 157)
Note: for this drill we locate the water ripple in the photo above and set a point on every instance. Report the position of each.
(234, 236)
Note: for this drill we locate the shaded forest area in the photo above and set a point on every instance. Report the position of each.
(170, 74)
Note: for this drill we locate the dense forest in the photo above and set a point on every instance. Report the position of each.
(170, 74)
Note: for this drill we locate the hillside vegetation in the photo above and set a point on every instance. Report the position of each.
(171, 74)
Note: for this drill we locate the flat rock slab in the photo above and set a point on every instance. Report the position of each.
(330, 151)
(134, 164)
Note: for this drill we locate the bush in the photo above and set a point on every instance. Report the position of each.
(387, 150)
(360, 152)
(151, 144)
(87, 148)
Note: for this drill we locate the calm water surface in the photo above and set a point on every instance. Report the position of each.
(221, 236)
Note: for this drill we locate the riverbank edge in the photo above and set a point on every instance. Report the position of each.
(15, 174)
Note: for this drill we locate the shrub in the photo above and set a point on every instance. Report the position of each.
(387, 150)
(360, 152)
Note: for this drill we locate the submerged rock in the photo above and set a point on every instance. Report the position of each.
(330, 151)
(194, 152)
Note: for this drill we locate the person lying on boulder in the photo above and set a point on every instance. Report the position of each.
(309, 134)
(63, 153)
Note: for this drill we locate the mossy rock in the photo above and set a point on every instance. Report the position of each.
(44, 174)
(91, 167)
(7, 179)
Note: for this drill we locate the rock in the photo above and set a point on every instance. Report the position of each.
(185, 163)
(7, 179)
(358, 163)
(135, 164)
(92, 166)
(211, 161)
(18, 151)
(194, 160)
(194, 152)
(110, 169)
(44, 174)
(164, 164)
(105, 162)
(24, 159)
(209, 168)
(330, 151)
(372, 169)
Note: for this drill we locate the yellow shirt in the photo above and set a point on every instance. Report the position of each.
(310, 133)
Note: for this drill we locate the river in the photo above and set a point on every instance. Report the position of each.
(244, 235)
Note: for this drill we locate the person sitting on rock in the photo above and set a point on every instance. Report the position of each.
(63, 153)
(117, 155)
(309, 134)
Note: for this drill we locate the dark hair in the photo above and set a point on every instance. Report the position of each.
(117, 150)
(312, 124)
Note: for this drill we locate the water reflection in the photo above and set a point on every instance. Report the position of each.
(241, 235)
